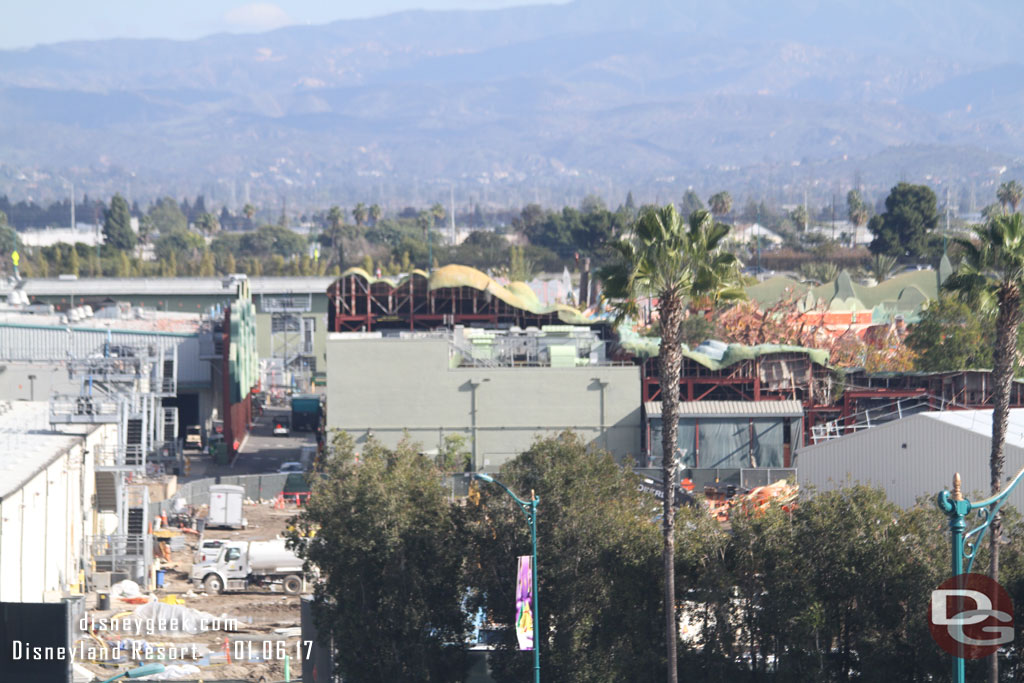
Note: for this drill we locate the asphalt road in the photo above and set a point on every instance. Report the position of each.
(261, 453)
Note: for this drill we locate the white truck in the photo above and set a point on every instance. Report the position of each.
(243, 565)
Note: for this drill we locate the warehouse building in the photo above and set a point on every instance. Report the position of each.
(47, 488)
(291, 312)
(499, 389)
(916, 456)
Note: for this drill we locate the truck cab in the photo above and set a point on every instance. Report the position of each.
(240, 566)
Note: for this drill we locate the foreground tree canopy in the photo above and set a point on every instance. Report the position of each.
(834, 590)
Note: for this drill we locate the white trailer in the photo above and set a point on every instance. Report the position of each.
(240, 566)
(226, 507)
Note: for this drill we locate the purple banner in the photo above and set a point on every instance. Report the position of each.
(524, 603)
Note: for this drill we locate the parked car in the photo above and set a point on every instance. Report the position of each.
(289, 467)
(281, 428)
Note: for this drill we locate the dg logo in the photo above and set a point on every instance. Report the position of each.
(970, 616)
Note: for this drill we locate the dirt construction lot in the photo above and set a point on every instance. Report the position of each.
(251, 633)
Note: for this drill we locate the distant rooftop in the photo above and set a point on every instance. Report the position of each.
(28, 444)
(165, 286)
(150, 321)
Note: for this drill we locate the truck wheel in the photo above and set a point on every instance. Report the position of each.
(292, 585)
(213, 584)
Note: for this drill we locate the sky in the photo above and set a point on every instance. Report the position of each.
(26, 24)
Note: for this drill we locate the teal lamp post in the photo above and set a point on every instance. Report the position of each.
(529, 508)
(966, 543)
(139, 671)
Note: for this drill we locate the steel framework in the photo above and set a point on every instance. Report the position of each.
(356, 304)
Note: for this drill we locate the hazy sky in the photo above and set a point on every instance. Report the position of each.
(24, 24)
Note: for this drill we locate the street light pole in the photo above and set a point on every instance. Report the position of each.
(529, 509)
(965, 543)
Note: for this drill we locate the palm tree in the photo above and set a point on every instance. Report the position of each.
(856, 209)
(249, 211)
(720, 203)
(1010, 193)
(676, 262)
(881, 267)
(993, 271)
(375, 213)
(438, 212)
(359, 214)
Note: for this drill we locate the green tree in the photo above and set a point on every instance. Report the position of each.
(799, 216)
(910, 214)
(665, 257)
(272, 240)
(229, 264)
(520, 268)
(720, 204)
(359, 214)
(167, 216)
(1009, 194)
(598, 568)
(248, 211)
(388, 544)
(124, 265)
(117, 225)
(992, 211)
(375, 213)
(178, 243)
(73, 263)
(881, 267)
(993, 271)
(691, 202)
(207, 223)
(206, 265)
(952, 336)
(438, 213)
(9, 240)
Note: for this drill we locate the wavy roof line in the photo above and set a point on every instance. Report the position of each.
(516, 294)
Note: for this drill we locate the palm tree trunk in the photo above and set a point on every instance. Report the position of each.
(1004, 361)
(670, 357)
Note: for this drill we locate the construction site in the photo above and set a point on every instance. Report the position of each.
(153, 458)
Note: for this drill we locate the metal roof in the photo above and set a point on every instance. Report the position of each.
(731, 409)
(28, 444)
(169, 286)
(915, 456)
(980, 422)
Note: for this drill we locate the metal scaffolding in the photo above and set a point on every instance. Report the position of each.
(125, 385)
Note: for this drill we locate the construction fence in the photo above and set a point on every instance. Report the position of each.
(258, 487)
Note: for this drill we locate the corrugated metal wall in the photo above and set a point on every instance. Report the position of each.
(39, 343)
(913, 457)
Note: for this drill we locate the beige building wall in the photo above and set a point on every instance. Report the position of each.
(45, 523)
(389, 386)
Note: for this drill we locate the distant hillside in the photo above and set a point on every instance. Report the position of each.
(595, 95)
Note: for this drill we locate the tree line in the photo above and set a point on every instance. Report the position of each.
(835, 589)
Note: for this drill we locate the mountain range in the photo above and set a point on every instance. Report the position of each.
(545, 101)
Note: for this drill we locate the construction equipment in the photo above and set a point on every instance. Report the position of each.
(240, 566)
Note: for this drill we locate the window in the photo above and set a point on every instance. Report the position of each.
(232, 554)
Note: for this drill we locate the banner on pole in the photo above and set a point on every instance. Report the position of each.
(524, 603)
